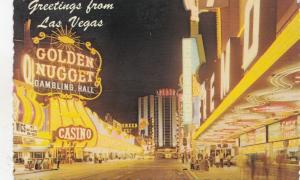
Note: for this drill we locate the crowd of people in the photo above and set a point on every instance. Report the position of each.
(204, 162)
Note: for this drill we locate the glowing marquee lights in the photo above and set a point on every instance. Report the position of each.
(250, 50)
(63, 67)
(61, 73)
(225, 71)
(74, 133)
(250, 46)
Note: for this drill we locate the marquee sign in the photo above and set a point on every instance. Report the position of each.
(74, 133)
(238, 55)
(286, 129)
(257, 136)
(22, 129)
(60, 64)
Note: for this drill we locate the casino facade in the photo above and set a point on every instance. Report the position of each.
(244, 55)
(54, 76)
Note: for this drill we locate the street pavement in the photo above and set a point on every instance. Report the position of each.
(122, 170)
(164, 169)
(226, 173)
(236, 173)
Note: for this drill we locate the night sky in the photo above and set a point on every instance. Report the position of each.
(141, 46)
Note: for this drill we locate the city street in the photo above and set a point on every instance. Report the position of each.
(124, 169)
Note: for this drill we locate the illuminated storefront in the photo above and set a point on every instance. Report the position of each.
(31, 136)
(66, 127)
(251, 77)
(112, 141)
(55, 74)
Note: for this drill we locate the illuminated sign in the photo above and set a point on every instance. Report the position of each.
(239, 54)
(286, 129)
(74, 133)
(225, 71)
(287, 38)
(166, 92)
(257, 136)
(260, 29)
(190, 64)
(17, 140)
(188, 53)
(59, 64)
(204, 101)
(129, 125)
(212, 93)
(192, 5)
(250, 50)
(22, 129)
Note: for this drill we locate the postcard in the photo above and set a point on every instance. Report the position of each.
(156, 89)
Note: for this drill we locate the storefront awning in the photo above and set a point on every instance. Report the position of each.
(253, 102)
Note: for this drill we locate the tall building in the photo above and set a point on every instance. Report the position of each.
(146, 115)
(157, 115)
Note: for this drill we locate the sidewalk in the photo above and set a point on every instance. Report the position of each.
(226, 173)
(20, 169)
(236, 173)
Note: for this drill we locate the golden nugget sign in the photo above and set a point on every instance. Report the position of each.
(63, 65)
(74, 133)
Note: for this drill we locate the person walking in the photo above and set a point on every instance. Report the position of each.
(58, 160)
(242, 164)
(252, 165)
(193, 162)
(266, 165)
(221, 159)
(206, 163)
(211, 160)
(217, 160)
(279, 161)
(228, 160)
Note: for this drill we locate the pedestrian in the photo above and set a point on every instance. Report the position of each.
(211, 161)
(252, 165)
(200, 156)
(186, 158)
(206, 163)
(221, 159)
(58, 160)
(182, 158)
(193, 162)
(217, 160)
(228, 160)
(266, 163)
(279, 161)
(241, 162)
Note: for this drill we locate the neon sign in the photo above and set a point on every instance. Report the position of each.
(239, 53)
(74, 133)
(63, 65)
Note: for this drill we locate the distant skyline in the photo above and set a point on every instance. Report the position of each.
(140, 42)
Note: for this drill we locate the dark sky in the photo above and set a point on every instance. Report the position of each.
(141, 46)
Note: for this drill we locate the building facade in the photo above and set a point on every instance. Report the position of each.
(158, 117)
(249, 79)
(50, 121)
